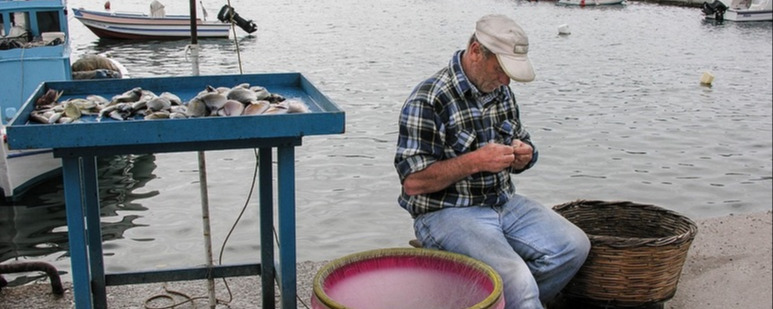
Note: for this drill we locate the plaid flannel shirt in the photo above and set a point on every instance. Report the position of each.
(446, 116)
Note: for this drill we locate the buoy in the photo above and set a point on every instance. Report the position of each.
(707, 78)
(564, 29)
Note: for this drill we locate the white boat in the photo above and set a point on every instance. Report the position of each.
(158, 25)
(738, 10)
(589, 2)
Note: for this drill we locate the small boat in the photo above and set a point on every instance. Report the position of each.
(158, 25)
(589, 2)
(738, 10)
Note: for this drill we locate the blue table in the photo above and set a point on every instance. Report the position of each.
(79, 145)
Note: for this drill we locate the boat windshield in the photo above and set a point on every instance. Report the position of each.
(23, 29)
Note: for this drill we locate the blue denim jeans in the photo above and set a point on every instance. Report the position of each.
(535, 250)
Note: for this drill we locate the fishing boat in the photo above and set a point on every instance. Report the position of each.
(159, 26)
(738, 10)
(34, 47)
(589, 2)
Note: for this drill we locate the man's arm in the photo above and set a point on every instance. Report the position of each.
(439, 175)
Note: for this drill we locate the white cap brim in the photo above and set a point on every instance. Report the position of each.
(518, 67)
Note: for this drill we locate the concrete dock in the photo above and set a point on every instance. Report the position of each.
(728, 266)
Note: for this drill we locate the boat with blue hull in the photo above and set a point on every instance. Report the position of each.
(34, 48)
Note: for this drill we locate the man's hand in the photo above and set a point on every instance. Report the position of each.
(522, 152)
(441, 174)
(494, 157)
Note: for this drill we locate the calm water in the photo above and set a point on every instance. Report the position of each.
(617, 112)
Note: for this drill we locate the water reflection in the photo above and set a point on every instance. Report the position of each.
(35, 225)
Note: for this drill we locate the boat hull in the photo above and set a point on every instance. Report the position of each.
(20, 170)
(143, 27)
(746, 15)
(589, 2)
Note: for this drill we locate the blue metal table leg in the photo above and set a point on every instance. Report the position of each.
(94, 230)
(286, 213)
(265, 184)
(79, 258)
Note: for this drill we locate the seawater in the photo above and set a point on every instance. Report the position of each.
(617, 112)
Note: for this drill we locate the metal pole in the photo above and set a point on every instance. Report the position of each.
(205, 220)
(203, 169)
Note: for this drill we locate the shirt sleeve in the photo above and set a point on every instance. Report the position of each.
(420, 139)
(524, 136)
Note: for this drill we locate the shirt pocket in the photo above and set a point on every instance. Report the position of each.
(460, 140)
(506, 131)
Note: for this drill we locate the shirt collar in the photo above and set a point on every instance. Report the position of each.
(466, 87)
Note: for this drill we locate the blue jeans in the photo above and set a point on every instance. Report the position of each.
(535, 250)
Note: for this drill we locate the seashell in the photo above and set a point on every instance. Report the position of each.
(231, 108)
(261, 93)
(242, 95)
(71, 110)
(64, 120)
(139, 105)
(159, 103)
(133, 95)
(54, 118)
(98, 99)
(174, 99)
(178, 109)
(39, 117)
(296, 106)
(85, 105)
(196, 108)
(177, 115)
(276, 109)
(157, 115)
(256, 108)
(213, 101)
(117, 115)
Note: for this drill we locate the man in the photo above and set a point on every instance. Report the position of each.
(460, 140)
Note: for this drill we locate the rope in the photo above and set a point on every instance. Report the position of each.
(238, 218)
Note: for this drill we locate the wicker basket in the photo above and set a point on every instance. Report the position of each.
(637, 252)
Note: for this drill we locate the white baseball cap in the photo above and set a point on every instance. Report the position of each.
(505, 38)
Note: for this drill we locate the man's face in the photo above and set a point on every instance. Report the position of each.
(487, 74)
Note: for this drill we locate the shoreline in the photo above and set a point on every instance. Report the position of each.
(729, 265)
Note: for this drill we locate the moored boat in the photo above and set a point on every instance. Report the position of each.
(589, 2)
(34, 47)
(158, 25)
(738, 10)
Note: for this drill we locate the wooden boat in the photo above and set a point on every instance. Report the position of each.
(140, 26)
(739, 10)
(589, 2)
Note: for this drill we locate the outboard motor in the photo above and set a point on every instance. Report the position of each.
(716, 8)
(227, 14)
